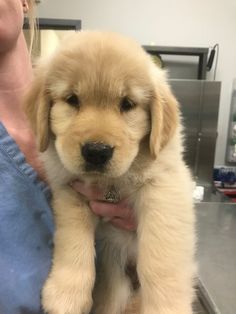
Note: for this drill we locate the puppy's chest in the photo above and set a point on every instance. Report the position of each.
(118, 246)
(113, 238)
(115, 241)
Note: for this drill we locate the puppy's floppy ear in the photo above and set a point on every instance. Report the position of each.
(164, 117)
(37, 108)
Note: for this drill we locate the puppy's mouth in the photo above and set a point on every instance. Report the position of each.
(96, 157)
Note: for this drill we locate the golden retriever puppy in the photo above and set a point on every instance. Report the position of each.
(104, 113)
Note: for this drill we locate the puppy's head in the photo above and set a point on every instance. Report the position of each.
(96, 100)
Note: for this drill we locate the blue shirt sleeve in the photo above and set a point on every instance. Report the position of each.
(26, 230)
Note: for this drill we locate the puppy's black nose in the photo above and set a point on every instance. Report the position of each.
(96, 154)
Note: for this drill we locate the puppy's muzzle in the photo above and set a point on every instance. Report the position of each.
(96, 155)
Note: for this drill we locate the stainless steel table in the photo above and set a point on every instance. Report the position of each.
(216, 253)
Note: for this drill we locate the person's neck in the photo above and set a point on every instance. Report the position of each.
(15, 66)
(15, 76)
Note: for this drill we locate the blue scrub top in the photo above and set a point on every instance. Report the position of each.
(26, 230)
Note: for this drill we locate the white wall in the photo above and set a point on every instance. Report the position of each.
(196, 23)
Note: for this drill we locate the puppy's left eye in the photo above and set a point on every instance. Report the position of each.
(126, 104)
(73, 100)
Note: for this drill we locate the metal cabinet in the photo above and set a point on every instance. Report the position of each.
(231, 144)
(199, 103)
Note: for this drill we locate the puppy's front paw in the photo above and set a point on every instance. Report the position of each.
(67, 295)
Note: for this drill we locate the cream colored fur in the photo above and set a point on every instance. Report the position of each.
(147, 168)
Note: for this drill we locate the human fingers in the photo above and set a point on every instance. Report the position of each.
(110, 210)
(129, 225)
(91, 192)
(119, 215)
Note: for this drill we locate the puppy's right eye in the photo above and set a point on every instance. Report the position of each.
(126, 104)
(73, 100)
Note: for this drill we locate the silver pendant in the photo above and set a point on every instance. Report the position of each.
(112, 195)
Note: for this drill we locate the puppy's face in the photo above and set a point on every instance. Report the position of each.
(98, 99)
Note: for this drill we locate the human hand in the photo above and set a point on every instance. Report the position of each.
(120, 214)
